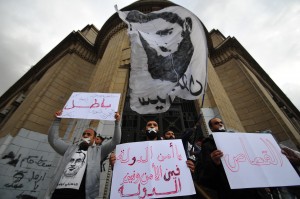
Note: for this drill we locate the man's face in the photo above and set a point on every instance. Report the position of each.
(169, 135)
(152, 124)
(166, 40)
(169, 50)
(74, 165)
(151, 130)
(216, 125)
(98, 141)
(89, 133)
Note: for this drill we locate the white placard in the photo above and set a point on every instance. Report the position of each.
(152, 169)
(254, 160)
(100, 106)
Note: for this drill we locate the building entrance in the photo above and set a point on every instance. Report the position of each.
(181, 115)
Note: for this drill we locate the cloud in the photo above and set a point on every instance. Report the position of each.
(267, 29)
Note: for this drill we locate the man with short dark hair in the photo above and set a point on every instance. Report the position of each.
(151, 129)
(168, 135)
(78, 174)
(152, 133)
(99, 139)
(216, 125)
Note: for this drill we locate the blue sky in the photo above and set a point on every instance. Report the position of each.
(268, 29)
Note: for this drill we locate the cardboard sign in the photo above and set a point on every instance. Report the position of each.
(254, 160)
(152, 169)
(100, 106)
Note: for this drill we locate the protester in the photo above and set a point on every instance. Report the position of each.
(294, 158)
(192, 141)
(210, 172)
(152, 133)
(99, 139)
(292, 155)
(78, 173)
(168, 135)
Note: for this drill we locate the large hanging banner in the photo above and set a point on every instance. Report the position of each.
(99, 106)
(151, 169)
(168, 58)
(254, 160)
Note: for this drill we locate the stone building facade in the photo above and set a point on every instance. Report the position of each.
(92, 60)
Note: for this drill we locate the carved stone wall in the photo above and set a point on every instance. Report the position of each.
(26, 165)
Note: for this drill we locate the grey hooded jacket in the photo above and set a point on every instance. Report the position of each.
(94, 156)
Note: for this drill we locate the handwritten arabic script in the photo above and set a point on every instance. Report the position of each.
(151, 169)
(268, 156)
(256, 158)
(100, 106)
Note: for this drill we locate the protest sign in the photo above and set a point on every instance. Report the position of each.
(254, 160)
(152, 169)
(100, 106)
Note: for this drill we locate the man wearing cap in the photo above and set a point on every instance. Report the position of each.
(81, 160)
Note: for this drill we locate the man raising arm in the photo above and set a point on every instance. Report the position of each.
(78, 173)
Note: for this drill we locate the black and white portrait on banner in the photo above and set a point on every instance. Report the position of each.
(74, 171)
(168, 58)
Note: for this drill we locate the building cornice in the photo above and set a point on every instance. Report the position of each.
(229, 49)
(68, 46)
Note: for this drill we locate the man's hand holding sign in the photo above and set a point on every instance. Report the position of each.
(79, 168)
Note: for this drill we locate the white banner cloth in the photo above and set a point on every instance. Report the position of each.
(168, 58)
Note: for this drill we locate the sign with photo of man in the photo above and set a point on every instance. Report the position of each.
(74, 171)
(168, 58)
